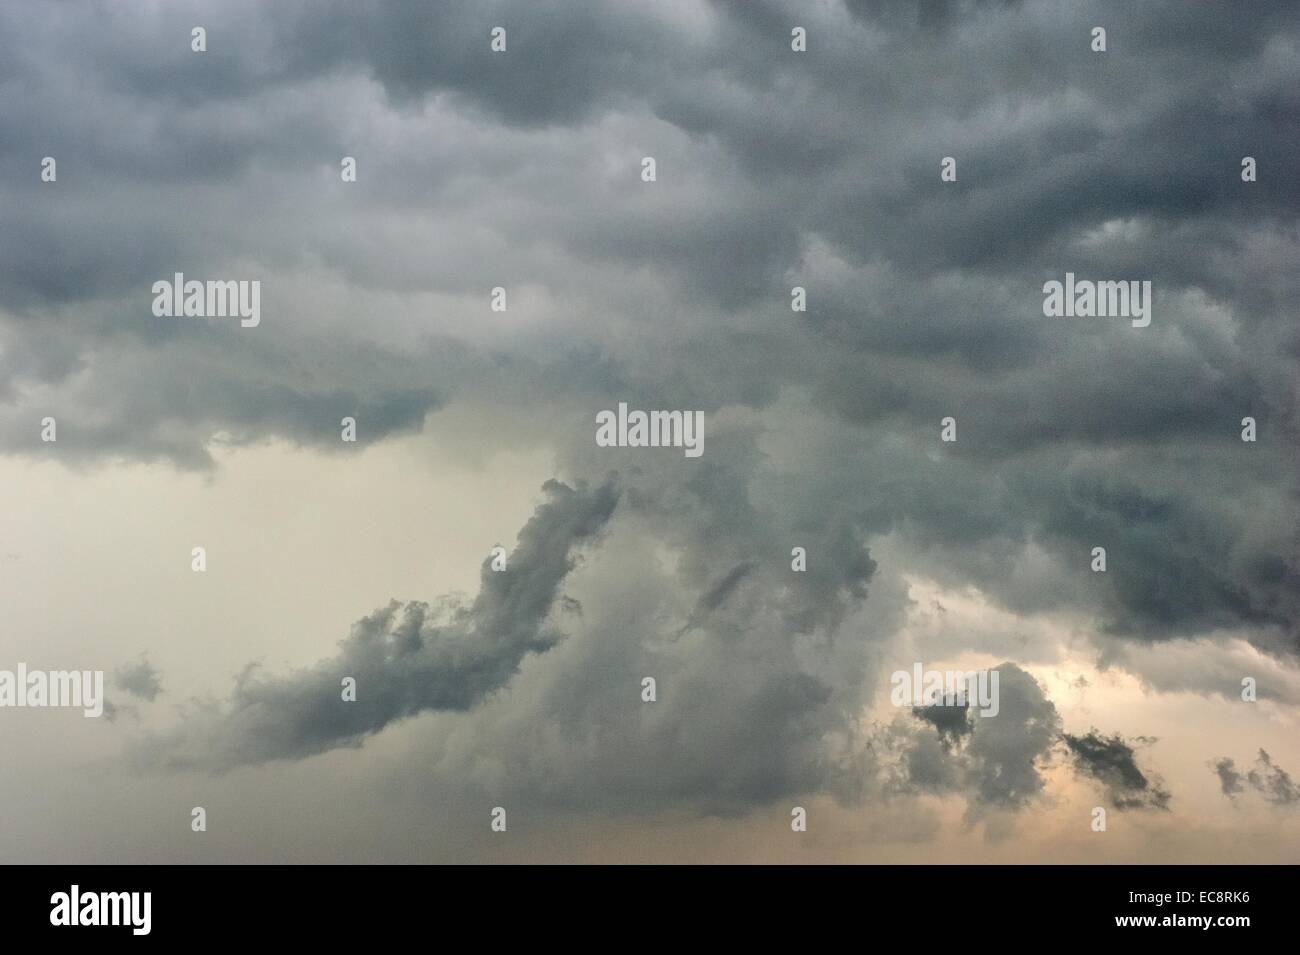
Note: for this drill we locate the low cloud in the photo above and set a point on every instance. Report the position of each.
(995, 762)
(1267, 778)
(1111, 761)
(406, 658)
(140, 679)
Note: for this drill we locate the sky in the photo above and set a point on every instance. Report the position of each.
(946, 456)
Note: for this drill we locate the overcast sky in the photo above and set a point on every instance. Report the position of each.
(522, 689)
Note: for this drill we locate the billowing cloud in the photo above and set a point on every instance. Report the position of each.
(404, 659)
(775, 169)
(995, 761)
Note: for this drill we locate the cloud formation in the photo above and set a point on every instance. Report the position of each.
(994, 762)
(1267, 778)
(776, 170)
(404, 659)
(1111, 761)
(140, 679)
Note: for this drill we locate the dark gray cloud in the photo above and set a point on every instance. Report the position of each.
(950, 718)
(140, 678)
(717, 593)
(404, 658)
(1273, 781)
(1111, 761)
(203, 390)
(775, 169)
(1229, 778)
(1009, 750)
(1267, 778)
(995, 762)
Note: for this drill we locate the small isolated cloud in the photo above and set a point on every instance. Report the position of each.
(140, 679)
(1111, 761)
(1267, 778)
(1229, 778)
(1273, 781)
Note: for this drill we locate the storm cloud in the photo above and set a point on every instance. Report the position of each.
(994, 762)
(775, 170)
(403, 659)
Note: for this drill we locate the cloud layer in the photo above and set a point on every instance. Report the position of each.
(776, 169)
(402, 660)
